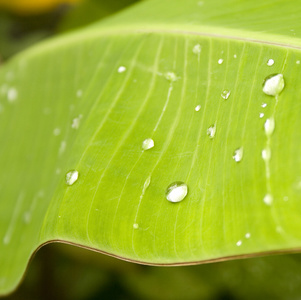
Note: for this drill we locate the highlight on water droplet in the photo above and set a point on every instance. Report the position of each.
(76, 122)
(176, 191)
(197, 49)
(220, 61)
(211, 131)
(273, 85)
(268, 199)
(148, 144)
(270, 62)
(171, 76)
(12, 94)
(261, 115)
(298, 62)
(135, 226)
(269, 126)
(197, 108)
(263, 105)
(248, 235)
(71, 177)
(235, 56)
(239, 243)
(266, 154)
(121, 69)
(226, 94)
(238, 154)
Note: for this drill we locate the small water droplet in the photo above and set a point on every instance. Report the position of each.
(220, 61)
(79, 93)
(239, 243)
(261, 115)
(58, 171)
(62, 147)
(226, 94)
(121, 69)
(238, 154)
(197, 108)
(269, 126)
(12, 94)
(135, 226)
(56, 131)
(27, 217)
(268, 199)
(197, 49)
(200, 3)
(248, 235)
(263, 105)
(76, 122)
(285, 198)
(171, 76)
(235, 56)
(298, 62)
(270, 62)
(266, 154)
(71, 177)
(273, 85)
(176, 191)
(211, 131)
(148, 144)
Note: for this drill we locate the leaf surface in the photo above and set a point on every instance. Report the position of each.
(67, 105)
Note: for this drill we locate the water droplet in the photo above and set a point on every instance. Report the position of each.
(76, 122)
(238, 154)
(261, 115)
(71, 177)
(273, 85)
(298, 62)
(148, 144)
(12, 94)
(171, 76)
(266, 154)
(226, 94)
(270, 62)
(268, 199)
(56, 131)
(200, 3)
(239, 243)
(220, 61)
(27, 217)
(58, 171)
(285, 198)
(79, 93)
(135, 226)
(263, 105)
(197, 49)
(211, 131)
(248, 235)
(62, 147)
(269, 126)
(235, 56)
(176, 191)
(121, 69)
(197, 108)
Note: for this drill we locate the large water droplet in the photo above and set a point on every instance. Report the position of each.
(273, 84)
(211, 131)
(71, 177)
(226, 94)
(197, 49)
(176, 191)
(270, 62)
(269, 126)
(148, 144)
(238, 154)
(268, 199)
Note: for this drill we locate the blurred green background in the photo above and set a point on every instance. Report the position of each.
(65, 272)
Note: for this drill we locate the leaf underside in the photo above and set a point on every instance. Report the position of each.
(65, 106)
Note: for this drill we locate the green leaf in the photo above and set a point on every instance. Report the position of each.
(65, 106)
